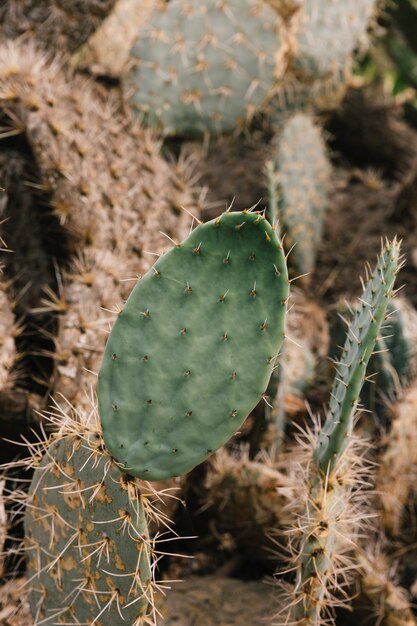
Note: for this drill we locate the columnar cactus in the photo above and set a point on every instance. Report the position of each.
(302, 177)
(332, 487)
(208, 308)
(187, 78)
(393, 364)
(359, 345)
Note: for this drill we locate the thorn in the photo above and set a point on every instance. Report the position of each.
(170, 238)
(193, 216)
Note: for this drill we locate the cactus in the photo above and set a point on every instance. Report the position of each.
(302, 172)
(188, 80)
(380, 594)
(332, 515)
(393, 363)
(359, 345)
(69, 479)
(88, 155)
(90, 559)
(210, 306)
(8, 331)
(328, 34)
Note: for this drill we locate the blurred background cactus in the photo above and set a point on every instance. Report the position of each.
(124, 124)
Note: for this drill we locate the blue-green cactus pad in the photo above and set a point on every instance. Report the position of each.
(205, 65)
(193, 350)
(88, 550)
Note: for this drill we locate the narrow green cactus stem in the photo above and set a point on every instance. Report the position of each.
(358, 348)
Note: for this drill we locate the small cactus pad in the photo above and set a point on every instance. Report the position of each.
(328, 33)
(303, 173)
(86, 537)
(206, 65)
(193, 350)
(360, 343)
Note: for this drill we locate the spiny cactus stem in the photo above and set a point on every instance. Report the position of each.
(360, 342)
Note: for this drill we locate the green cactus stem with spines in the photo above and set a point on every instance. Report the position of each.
(88, 549)
(214, 307)
(393, 363)
(188, 79)
(303, 172)
(358, 348)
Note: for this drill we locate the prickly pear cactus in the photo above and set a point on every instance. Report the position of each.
(192, 352)
(208, 65)
(89, 554)
(359, 345)
(328, 33)
(302, 172)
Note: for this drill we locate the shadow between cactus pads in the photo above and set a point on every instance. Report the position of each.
(192, 352)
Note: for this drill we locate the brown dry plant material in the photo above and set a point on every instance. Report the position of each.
(58, 25)
(107, 50)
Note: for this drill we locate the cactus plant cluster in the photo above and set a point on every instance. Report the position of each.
(193, 383)
(86, 515)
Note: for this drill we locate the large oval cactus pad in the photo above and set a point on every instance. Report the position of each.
(193, 350)
(88, 549)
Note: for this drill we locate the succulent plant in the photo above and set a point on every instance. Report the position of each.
(90, 558)
(360, 343)
(332, 470)
(327, 35)
(302, 177)
(393, 363)
(187, 79)
(209, 307)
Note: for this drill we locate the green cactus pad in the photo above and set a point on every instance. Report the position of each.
(328, 33)
(359, 345)
(303, 173)
(193, 350)
(205, 65)
(86, 537)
